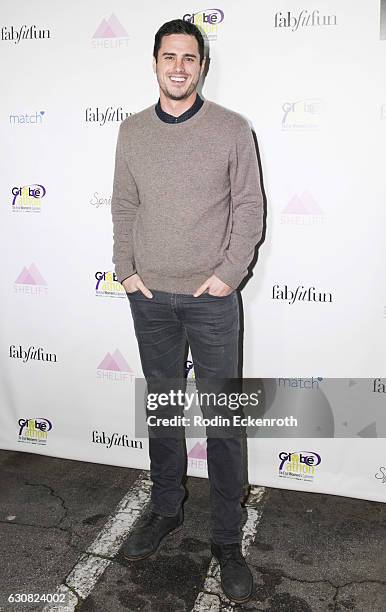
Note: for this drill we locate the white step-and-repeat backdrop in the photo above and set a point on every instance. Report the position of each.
(310, 77)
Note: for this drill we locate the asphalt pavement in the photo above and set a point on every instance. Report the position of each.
(62, 523)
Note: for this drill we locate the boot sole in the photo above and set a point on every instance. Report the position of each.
(149, 554)
(237, 600)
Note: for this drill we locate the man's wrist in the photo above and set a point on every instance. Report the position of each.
(230, 278)
(126, 277)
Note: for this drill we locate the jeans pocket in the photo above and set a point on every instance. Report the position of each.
(219, 297)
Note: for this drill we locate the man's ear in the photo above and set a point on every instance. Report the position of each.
(154, 65)
(203, 65)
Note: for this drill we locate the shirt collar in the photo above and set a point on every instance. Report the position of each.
(186, 115)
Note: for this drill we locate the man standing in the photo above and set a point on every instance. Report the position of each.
(187, 214)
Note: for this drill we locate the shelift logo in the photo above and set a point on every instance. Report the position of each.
(108, 115)
(36, 354)
(304, 19)
(110, 34)
(15, 35)
(115, 439)
(30, 281)
(378, 386)
(197, 458)
(115, 367)
(302, 209)
(300, 294)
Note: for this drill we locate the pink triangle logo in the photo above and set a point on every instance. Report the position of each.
(198, 451)
(30, 276)
(115, 362)
(112, 28)
(302, 205)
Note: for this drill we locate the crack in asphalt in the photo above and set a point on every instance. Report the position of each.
(54, 494)
(336, 587)
(342, 586)
(72, 534)
(70, 531)
(280, 574)
(86, 552)
(51, 492)
(73, 591)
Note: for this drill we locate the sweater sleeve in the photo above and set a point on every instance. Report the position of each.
(247, 209)
(124, 206)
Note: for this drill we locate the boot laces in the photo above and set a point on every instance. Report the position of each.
(231, 552)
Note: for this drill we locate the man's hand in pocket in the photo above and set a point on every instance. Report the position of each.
(215, 287)
(133, 283)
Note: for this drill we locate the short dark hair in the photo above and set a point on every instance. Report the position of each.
(179, 26)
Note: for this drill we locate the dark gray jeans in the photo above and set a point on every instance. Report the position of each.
(163, 325)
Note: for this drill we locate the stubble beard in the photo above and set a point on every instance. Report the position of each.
(182, 95)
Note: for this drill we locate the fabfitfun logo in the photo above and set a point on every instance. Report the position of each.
(300, 294)
(304, 19)
(31, 354)
(302, 210)
(34, 431)
(35, 118)
(107, 285)
(28, 198)
(108, 115)
(302, 115)
(207, 20)
(378, 386)
(110, 34)
(299, 465)
(15, 35)
(115, 439)
(30, 281)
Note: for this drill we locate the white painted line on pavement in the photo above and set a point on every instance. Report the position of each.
(89, 568)
(212, 598)
(98, 556)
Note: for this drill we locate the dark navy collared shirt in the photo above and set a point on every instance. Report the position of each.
(186, 115)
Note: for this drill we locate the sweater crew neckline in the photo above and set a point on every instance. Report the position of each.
(183, 125)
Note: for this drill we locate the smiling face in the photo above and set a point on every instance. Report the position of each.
(178, 67)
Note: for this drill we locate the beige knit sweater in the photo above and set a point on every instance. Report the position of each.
(187, 201)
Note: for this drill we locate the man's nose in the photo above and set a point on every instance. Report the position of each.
(179, 64)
